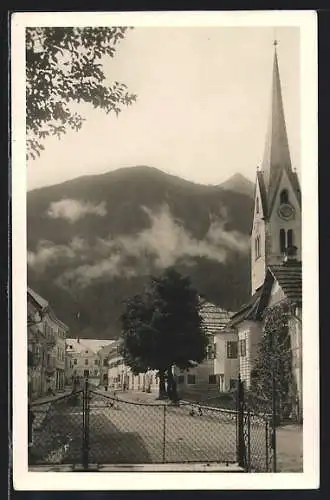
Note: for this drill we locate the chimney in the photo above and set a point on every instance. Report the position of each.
(290, 256)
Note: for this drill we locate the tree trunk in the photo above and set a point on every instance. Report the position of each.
(171, 386)
(162, 386)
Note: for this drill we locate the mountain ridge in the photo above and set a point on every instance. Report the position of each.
(93, 241)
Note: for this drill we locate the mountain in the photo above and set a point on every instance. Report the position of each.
(239, 184)
(95, 240)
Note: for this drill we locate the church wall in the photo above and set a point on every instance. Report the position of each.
(276, 223)
(258, 263)
(295, 331)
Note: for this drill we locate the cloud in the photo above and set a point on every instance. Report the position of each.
(47, 253)
(73, 210)
(161, 245)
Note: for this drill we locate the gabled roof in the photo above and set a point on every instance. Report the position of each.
(263, 192)
(109, 349)
(248, 311)
(289, 277)
(93, 345)
(40, 301)
(215, 318)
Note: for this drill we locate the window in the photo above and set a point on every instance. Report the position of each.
(105, 377)
(284, 196)
(75, 361)
(257, 247)
(86, 361)
(191, 379)
(290, 238)
(86, 373)
(212, 379)
(282, 241)
(242, 348)
(181, 379)
(257, 205)
(96, 361)
(232, 349)
(105, 362)
(86, 352)
(210, 351)
(96, 372)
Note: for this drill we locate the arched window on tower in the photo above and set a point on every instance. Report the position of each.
(284, 196)
(257, 205)
(257, 247)
(290, 238)
(282, 241)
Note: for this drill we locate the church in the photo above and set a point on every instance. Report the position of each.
(276, 261)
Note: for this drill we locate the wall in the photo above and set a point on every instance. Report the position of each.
(86, 359)
(250, 332)
(37, 347)
(295, 331)
(258, 264)
(226, 368)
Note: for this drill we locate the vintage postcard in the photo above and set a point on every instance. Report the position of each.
(165, 250)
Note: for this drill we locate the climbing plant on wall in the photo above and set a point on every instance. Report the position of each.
(273, 364)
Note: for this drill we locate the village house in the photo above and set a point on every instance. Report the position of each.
(276, 269)
(121, 377)
(219, 371)
(46, 347)
(83, 360)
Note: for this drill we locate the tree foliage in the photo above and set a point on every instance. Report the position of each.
(64, 66)
(274, 360)
(163, 327)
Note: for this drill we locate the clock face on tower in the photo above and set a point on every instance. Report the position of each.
(286, 211)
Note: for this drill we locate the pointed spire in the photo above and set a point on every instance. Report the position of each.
(276, 154)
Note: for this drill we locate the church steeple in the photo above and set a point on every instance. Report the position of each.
(277, 210)
(276, 153)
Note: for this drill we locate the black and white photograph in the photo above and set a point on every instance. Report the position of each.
(165, 314)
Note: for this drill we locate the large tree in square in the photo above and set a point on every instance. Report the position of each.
(163, 327)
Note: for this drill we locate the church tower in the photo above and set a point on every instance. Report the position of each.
(277, 206)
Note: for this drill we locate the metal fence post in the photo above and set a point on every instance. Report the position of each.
(274, 417)
(85, 443)
(266, 444)
(164, 434)
(240, 425)
(248, 458)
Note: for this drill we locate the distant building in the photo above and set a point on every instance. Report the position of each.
(121, 378)
(84, 360)
(46, 347)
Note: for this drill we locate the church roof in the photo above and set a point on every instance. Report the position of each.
(276, 154)
(289, 277)
(248, 311)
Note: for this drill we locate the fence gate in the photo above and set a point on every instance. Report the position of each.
(92, 428)
(256, 433)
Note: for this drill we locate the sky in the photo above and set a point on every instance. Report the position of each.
(202, 109)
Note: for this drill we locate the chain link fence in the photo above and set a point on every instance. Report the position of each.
(90, 427)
